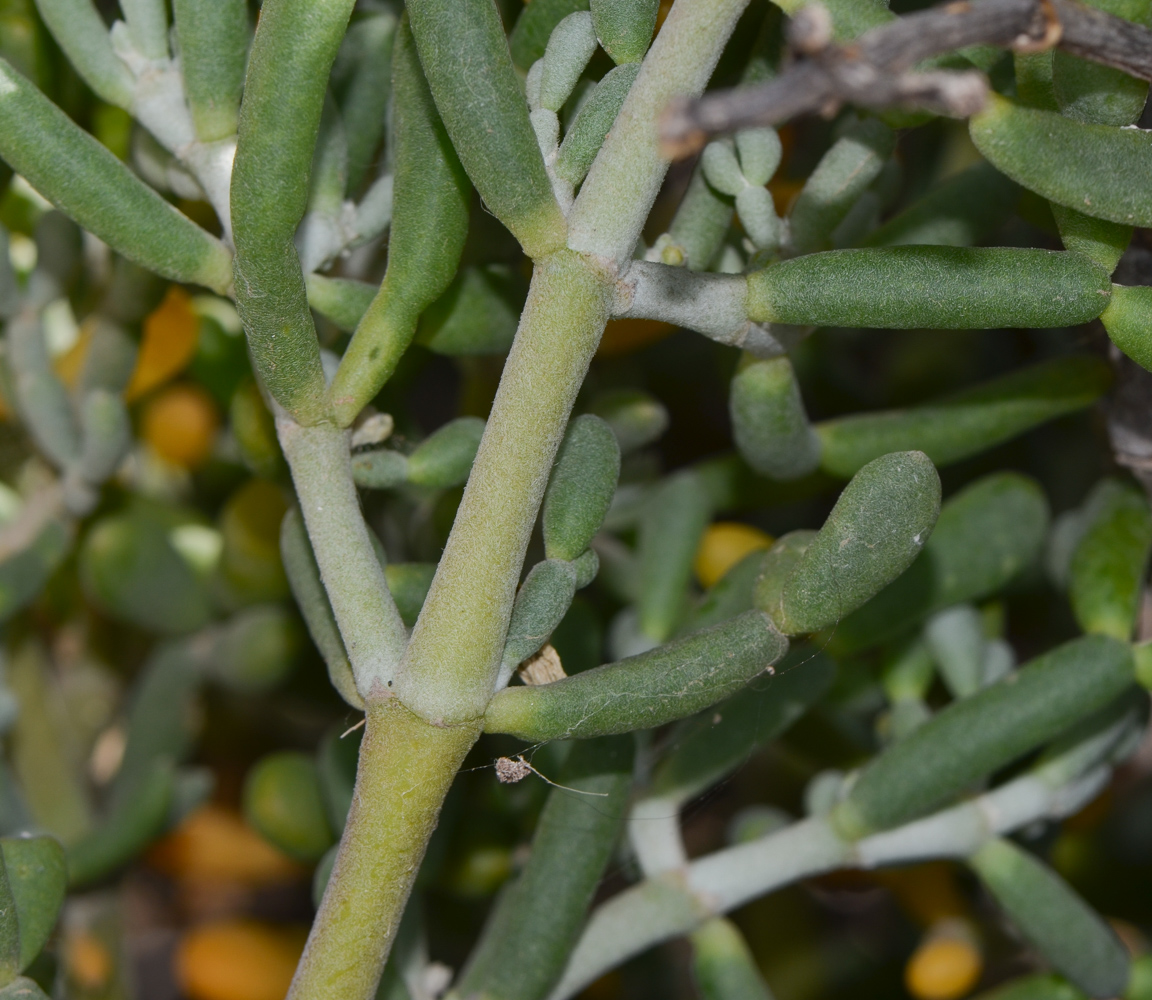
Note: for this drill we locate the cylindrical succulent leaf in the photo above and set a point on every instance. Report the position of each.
(877, 528)
(1108, 566)
(968, 422)
(625, 27)
(642, 691)
(986, 535)
(1052, 917)
(769, 424)
(548, 901)
(1099, 170)
(445, 457)
(581, 487)
(945, 288)
(994, 726)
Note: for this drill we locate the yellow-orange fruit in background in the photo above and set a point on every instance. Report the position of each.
(238, 960)
(88, 961)
(180, 425)
(724, 544)
(946, 966)
(216, 845)
(171, 331)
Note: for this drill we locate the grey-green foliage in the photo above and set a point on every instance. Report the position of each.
(731, 595)
(571, 46)
(625, 27)
(1070, 935)
(581, 486)
(636, 417)
(843, 174)
(35, 879)
(24, 572)
(312, 600)
(1099, 239)
(956, 640)
(994, 726)
(341, 300)
(487, 118)
(284, 93)
(986, 534)
(1108, 564)
(642, 691)
(958, 212)
(701, 222)
(542, 601)
(131, 825)
(585, 135)
(769, 425)
(879, 525)
(722, 964)
(534, 27)
(256, 650)
(675, 517)
(409, 584)
(1090, 92)
(85, 181)
(706, 748)
(445, 457)
(1095, 169)
(535, 922)
(429, 225)
(953, 288)
(130, 568)
(365, 100)
(968, 422)
(1127, 321)
(213, 41)
(478, 313)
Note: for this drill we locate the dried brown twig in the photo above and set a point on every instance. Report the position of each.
(876, 70)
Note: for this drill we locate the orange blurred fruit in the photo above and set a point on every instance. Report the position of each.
(180, 425)
(89, 962)
(724, 544)
(216, 845)
(946, 966)
(171, 332)
(238, 960)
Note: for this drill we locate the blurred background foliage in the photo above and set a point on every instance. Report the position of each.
(164, 627)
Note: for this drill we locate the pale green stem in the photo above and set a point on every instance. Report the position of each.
(450, 671)
(618, 193)
(675, 903)
(370, 625)
(405, 769)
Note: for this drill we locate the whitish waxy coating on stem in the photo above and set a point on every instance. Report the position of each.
(454, 657)
(642, 691)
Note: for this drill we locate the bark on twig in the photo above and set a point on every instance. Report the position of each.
(876, 70)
